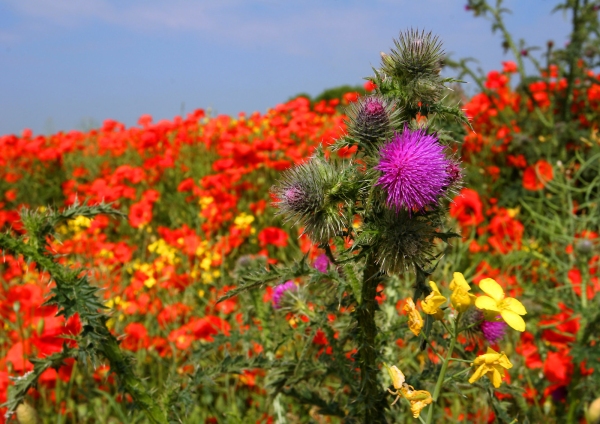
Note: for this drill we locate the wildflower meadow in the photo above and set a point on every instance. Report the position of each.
(403, 251)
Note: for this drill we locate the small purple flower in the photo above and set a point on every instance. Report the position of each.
(280, 290)
(493, 331)
(414, 170)
(321, 263)
(454, 173)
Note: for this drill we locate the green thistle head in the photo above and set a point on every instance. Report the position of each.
(415, 54)
(313, 195)
(401, 241)
(415, 64)
(372, 120)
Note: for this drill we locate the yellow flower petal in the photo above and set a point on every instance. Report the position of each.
(486, 302)
(433, 301)
(496, 377)
(490, 350)
(504, 362)
(415, 322)
(397, 376)
(479, 372)
(513, 305)
(493, 365)
(459, 281)
(513, 319)
(461, 299)
(491, 288)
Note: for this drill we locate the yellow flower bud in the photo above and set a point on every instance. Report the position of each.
(415, 322)
(431, 304)
(460, 298)
(397, 376)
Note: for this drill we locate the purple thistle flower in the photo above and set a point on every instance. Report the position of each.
(321, 263)
(414, 170)
(280, 290)
(373, 107)
(493, 331)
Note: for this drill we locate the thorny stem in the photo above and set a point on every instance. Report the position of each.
(440, 381)
(109, 347)
(373, 397)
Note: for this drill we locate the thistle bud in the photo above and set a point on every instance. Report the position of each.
(584, 247)
(416, 53)
(402, 241)
(416, 62)
(371, 121)
(312, 194)
(280, 291)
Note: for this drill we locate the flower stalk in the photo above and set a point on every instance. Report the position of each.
(370, 391)
(442, 375)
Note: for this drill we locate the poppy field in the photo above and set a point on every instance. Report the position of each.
(171, 239)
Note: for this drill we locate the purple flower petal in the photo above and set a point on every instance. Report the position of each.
(321, 263)
(280, 290)
(415, 170)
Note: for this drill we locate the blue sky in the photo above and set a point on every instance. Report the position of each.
(70, 64)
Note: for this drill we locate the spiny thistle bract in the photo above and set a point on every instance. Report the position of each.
(371, 121)
(417, 53)
(401, 241)
(415, 63)
(313, 194)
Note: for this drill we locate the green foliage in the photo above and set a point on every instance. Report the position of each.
(73, 294)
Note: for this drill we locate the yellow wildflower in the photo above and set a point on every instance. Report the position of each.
(431, 304)
(396, 375)
(415, 322)
(510, 309)
(491, 364)
(243, 221)
(461, 298)
(418, 399)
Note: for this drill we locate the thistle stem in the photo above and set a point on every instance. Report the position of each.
(132, 384)
(372, 396)
(440, 381)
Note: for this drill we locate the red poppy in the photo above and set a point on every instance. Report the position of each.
(467, 208)
(273, 236)
(558, 367)
(136, 337)
(536, 177)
